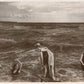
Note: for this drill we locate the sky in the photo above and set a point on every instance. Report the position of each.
(42, 11)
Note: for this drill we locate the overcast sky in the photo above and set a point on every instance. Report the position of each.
(42, 11)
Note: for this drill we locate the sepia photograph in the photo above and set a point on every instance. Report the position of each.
(42, 41)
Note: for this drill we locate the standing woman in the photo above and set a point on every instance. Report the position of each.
(82, 61)
(47, 60)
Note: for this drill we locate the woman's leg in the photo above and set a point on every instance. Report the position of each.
(15, 69)
(52, 72)
(45, 73)
(20, 67)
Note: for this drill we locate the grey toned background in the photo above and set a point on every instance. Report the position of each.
(21, 29)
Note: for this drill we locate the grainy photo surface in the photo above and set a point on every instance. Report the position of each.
(42, 41)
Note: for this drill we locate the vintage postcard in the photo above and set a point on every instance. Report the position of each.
(42, 41)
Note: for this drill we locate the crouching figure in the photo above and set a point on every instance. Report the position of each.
(17, 66)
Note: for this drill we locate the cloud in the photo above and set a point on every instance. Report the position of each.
(39, 11)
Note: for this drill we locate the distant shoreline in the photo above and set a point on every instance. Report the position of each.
(42, 22)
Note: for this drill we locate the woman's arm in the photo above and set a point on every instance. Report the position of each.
(41, 58)
(81, 59)
(20, 65)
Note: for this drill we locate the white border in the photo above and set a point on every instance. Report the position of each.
(41, 82)
(42, 0)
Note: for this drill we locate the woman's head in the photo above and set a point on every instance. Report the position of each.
(38, 45)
